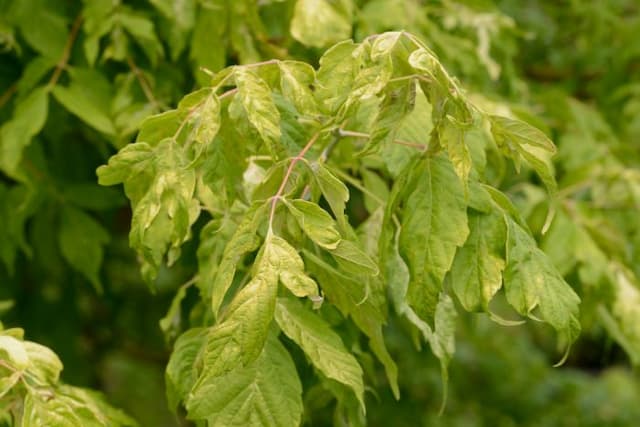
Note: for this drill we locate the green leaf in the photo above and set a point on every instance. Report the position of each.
(96, 409)
(371, 78)
(132, 160)
(27, 121)
(164, 125)
(350, 257)
(162, 192)
(143, 33)
(531, 281)
(434, 225)
(364, 302)
(181, 372)
(71, 407)
(315, 222)
(521, 133)
(560, 243)
(476, 273)
(81, 240)
(34, 72)
(441, 337)
(239, 336)
(39, 412)
(5, 306)
(396, 272)
(504, 203)
(320, 23)
(266, 393)
(396, 104)
(45, 30)
(334, 190)
(281, 256)
(13, 350)
(213, 239)
(245, 30)
(261, 111)
(320, 343)
(211, 24)
(8, 382)
(97, 22)
(540, 161)
(206, 119)
(82, 98)
(452, 137)
(338, 69)
(621, 319)
(43, 362)
(295, 81)
(443, 93)
(181, 16)
(244, 240)
(19, 204)
(516, 136)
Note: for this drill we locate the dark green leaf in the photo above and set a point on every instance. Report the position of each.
(28, 119)
(81, 241)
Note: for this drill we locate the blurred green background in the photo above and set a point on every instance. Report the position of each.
(570, 66)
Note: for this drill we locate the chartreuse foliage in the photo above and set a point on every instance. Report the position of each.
(269, 155)
(31, 393)
(78, 79)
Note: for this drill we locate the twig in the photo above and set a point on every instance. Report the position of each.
(6, 96)
(287, 175)
(144, 84)
(64, 59)
(260, 64)
(230, 92)
(344, 132)
(7, 366)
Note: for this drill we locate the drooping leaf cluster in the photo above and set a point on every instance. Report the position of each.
(262, 152)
